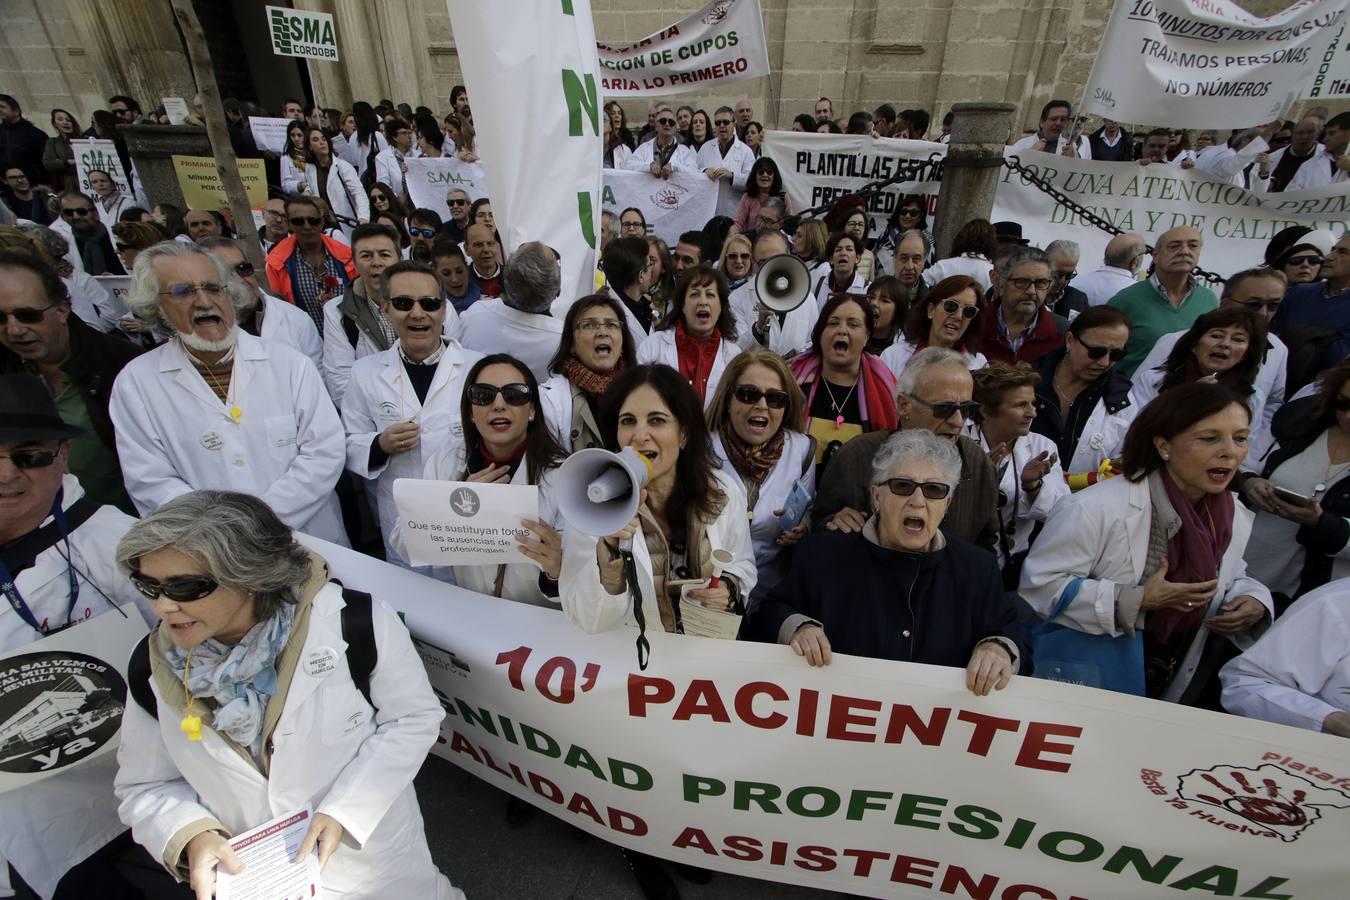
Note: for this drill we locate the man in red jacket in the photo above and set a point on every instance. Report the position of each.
(1020, 327)
(309, 268)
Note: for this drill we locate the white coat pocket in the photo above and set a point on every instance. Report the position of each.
(345, 711)
(281, 437)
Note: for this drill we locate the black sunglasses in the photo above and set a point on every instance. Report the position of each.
(404, 303)
(910, 212)
(24, 315)
(665, 121)
(1117, 353)
(178, 588)
(967, 312)
(297, 221)
(482, 394)
(1311, 259)
(31, 458)
(76, 211)
(421, 232)
(749, 395)
(1340, 404)
(1258, 305)
(945, 409)
(457, 202)
(905, 487)
(244, 269)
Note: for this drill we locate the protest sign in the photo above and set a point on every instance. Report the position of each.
(199, 181)
(683, 202)
(1207, 63)
(268, 857)
(269, 133)
(720, 43)
(61, 698)
(429, 181)
(462, 523)
(544, 180)
(298, 33)
(869, 777)
(176, 109)
(820, 168)
(100, 155)
(1333, 69)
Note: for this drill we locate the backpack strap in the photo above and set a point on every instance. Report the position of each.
(138, 678)
(358, 630)
(810, 455)
(349, 328)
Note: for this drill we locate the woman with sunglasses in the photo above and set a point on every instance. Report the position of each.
(756, 435)
(697, 338)
(914, 594)
(401, 406)
(764, 181)
(386, 203)
(294, 159)
(1301, 257)
(335, 182)
(736, 261)
(239, 715)
(839, 273)
(1030, 479)
(596, 347)
(948, 317)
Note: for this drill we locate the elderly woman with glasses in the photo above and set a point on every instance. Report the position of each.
(245, 710)
(900, 589)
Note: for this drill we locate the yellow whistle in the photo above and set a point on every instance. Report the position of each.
(192, 727)
(235, 414)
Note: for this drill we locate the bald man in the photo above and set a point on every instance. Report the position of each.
(1120, 264)
(1170, 300)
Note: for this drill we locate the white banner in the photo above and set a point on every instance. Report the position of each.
(820, 168)
(683, 202)
(533, 61)
(299, 33)
(269, 133)
(100, 154)
(1333, 69)
(430, 181)
(61, 697)
(1207, 63)
(870, 777)
(462, 523)
(720, 43)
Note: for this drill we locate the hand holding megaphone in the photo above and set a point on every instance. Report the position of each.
(623, 538)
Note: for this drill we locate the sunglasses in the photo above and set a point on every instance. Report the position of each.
(905, 487)
(950, 307)
(1311, 259)
(178, 588)
(244, 269)
(482, 394)
(723, 123)
(78, 211)
(31, 458)
(665, 121)
(947, 408)
(1117, 353)
(1259, 305)
(1340, 404)
(421, 232)
(459, 202)
(378, 198)
(297, 221)
(750, 395)
(910, 212)
(24, 315)
(404, 303)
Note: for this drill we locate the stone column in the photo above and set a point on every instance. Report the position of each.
(152, 147)
(974, 161)
(135, 49)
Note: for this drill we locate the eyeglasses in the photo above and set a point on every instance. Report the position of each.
(1266, 305)
(590, 326)
(905, 487)
(77, 211)
(664, 121)
(244, 269)
(404, 303)
(31, 458)
(178, 588)
(24, 315)
(950, 307)
(457, 202)
(184, 291)
(1340, 404)
(1312, 259)
(297, 221)
(1026, 284)
(750, 395)
(768, 223)
(910, 212)
(1117, 353)
(945, 409)
(482, 394)
(421, 232)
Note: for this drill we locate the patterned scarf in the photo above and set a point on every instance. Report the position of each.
(754, 463)
(592, 382)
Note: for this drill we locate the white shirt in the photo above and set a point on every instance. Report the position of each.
(1226, 164)
(1103, 284)
(490, 326)
(739, 158)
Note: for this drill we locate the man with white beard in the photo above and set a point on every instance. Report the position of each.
(216, 407)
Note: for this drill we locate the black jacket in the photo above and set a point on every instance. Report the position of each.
(1113, 389)
(889, 604)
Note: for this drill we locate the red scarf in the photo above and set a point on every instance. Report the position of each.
(696, 357)
(593, 383)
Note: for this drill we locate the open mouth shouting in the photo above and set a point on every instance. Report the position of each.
(915, 525)
(500, 424)
(603, 349)
(1219, 475)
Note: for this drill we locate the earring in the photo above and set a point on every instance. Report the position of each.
(1165, 456)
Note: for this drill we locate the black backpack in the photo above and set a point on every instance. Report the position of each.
(358, 630)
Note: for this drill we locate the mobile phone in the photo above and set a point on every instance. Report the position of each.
(1293, 497)
(794, 508)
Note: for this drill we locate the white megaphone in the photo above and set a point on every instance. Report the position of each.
(599, 491)
(782, 283)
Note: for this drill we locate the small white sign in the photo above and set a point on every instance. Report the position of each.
(176, 108)
(463, 523)
(308, 34)
(99, 155)
(269, 133)
(268, 854)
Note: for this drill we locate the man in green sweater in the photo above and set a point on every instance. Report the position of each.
(1170, 300)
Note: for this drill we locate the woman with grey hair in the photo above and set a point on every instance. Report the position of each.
(899, 589)
(253, 713)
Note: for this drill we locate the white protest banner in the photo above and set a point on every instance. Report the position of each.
(818, 169)
(534, 61)
(870, 777)
(1207, 63)
(720, 43)
(429, 181)
(463, 523)
(269, 133)
(176, 109)
(299, 33)
(1333, 69)
(101, 155)
(61, 698)
(1235, 224)
(683, 202)
(117, 286)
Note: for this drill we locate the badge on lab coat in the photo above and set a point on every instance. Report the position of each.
(320, 662)
(212, 441)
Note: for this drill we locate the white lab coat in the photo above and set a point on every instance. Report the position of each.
(1316, 172)
(330, 751)
(586, 602)
(490, 326)
(356, 153)
(739, 158)
(1020, 518)
(1101, 535)
(288, 324)
(660, 348)
(389, 168)
(1102, 437)
(52, 825)
(93, 303)
(346, 196)
(1222, 162)
(683, 160)
(790, 336)
(1299, 672)
(798, 452)
(292, 176)
(379, 395)
(820, 285)
(898, 355)
(1084, 145)
(174, 435)
(1103, 284)
(620, 156)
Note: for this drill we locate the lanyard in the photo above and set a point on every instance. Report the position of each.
(11, 591)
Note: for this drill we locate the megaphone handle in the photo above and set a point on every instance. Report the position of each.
(644, 647)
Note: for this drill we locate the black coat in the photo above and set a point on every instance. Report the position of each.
(888, 604)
